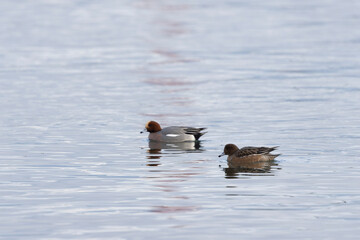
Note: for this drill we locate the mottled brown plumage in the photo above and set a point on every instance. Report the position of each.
(248, 154)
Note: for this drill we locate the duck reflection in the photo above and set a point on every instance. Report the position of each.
(155, 146)
(235, 169)
(155, 149)
(153, 154)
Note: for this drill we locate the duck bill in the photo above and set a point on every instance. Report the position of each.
(221, 154)
(144, 130)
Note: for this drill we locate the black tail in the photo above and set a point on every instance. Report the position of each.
(196, 132)
(198, 135)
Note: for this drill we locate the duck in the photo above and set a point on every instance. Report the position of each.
(172, 134)
(247, 155)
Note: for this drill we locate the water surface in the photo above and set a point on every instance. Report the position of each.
(79, 80)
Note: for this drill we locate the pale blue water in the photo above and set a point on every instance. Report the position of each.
(79, 80)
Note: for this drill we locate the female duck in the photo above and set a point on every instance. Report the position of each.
(248, 154)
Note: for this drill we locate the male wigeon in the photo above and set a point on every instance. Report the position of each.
(172, 134)
(248, 154)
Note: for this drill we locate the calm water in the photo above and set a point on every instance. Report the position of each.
(79, 79)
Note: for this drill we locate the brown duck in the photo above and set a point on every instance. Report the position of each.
(247, 155)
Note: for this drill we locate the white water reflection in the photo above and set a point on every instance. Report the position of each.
(184, 146)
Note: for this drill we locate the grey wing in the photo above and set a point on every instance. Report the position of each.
(173, 130)
(175, 134)
(196, 132)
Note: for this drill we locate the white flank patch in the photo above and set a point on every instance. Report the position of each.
(172, 135)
